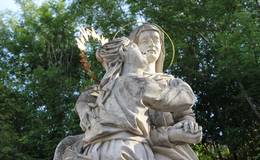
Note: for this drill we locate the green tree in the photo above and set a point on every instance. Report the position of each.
(217, 53)
(41, 62)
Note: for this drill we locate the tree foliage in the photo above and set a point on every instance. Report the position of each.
(217, 53)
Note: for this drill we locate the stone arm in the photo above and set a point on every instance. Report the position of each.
(185, 115)
(85, 106)
(160, 122)
(172, 95)
(164, 132)
(164, 123)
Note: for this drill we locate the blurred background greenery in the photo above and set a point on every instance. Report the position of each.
(217, 52)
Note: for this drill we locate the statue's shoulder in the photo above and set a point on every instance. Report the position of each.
(89, 94)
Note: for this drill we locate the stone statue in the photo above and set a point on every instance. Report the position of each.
(127, 116)
(150, 41)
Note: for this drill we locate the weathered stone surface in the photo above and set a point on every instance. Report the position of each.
(127, 116)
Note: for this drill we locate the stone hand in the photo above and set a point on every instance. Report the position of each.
(180, 133)
(190, 126)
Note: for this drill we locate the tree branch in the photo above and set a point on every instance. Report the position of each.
(249, 100)
(257, 3)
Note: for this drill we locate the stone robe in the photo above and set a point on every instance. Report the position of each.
(122, 128)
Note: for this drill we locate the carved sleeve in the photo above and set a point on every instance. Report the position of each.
(159, 122)
(186, 114)
(168, 95)
(85, 106)
(158, 119)
(159, 137)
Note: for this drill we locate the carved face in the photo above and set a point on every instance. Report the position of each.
(150, 45)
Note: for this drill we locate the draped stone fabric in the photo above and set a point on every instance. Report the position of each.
(134, 113)
(126, 126)
(119, 149)
(126, 111)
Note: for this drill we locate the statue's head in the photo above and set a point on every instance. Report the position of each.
(150, 40)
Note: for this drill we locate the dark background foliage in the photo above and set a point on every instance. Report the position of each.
(217, 52)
